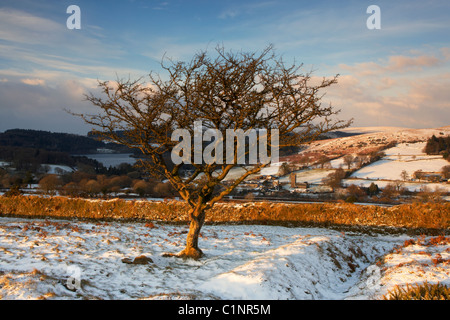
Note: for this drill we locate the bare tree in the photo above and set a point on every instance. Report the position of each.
(359, 160)
(404, 175)
(446, 172)
(348, 160)
(418, 174)
(323, 159)
(334, 179)
(50, 183)
(227, 90)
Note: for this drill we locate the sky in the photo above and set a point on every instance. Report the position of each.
(397, 75)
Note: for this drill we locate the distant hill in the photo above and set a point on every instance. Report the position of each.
(365, 140)
(50, 141)
(28, 150)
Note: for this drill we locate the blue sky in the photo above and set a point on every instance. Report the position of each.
(398, 75)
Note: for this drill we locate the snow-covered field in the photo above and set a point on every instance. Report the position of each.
(57, 169)
(59, 259)
(391, 169)
(410, 186)
(310, 175)
(406, 156)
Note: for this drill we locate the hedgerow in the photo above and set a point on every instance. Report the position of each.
(421, 217)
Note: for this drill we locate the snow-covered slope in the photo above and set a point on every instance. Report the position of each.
(403, 157)
(79, 260)
(370, 138)
(406, 156)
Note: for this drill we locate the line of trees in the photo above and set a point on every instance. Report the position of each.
(81, 184)
(60, 142)
(54, 141)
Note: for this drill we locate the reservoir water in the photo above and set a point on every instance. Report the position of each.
(112, 159)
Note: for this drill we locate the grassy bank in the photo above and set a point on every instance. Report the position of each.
(418, 217)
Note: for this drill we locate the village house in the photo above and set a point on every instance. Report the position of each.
(298, 186)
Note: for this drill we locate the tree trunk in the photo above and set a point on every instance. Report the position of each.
(192, 250)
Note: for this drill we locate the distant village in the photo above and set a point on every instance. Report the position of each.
(408, 172)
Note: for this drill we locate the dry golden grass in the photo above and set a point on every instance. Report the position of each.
(421, 217)
(424, 291)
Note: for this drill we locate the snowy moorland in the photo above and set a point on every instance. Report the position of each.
(62, 259)
(370, 137)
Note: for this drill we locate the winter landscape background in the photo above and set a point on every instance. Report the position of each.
(393, 82)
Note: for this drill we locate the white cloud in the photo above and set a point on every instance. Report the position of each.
(31, 42)
(19, 26)
(408, 91)
(34, 82)
(43, 107)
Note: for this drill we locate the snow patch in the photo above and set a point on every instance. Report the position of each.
(38, 257)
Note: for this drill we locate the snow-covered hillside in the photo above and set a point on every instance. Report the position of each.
(58, 259)
(407, 157)
(369, 138)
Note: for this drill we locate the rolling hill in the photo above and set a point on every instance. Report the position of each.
(364, 140)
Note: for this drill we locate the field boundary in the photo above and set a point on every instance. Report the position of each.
(416, 218)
